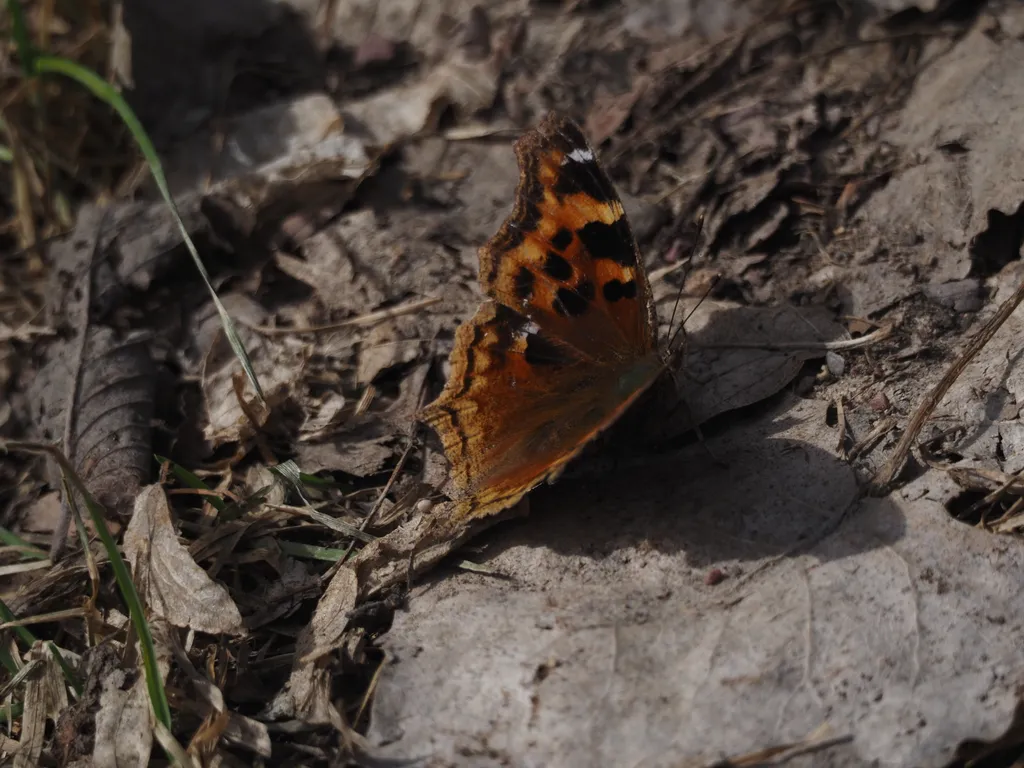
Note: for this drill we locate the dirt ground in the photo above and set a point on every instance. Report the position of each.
(836, 192)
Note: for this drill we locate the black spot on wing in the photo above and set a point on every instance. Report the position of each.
(506, 326)
(453, 419)
(523, 284)
(527, 221)
(609, 241)
(570, 302)
(569, 134)
(526, 215)
(586, 177)
(541, 351)
(614, 290)
(557, 267)
(562, 239)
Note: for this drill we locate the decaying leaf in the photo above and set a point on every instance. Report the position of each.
(343, 264)
(961, 135)
(173, 586)
(74, 735)
(308, 691)
(736, 356)
(252, 142)
(124, 720)
(124, 728)
(465, 81)
(277, 361)
(94, 394)
(349, 452)
(45, 698)
(605, 639)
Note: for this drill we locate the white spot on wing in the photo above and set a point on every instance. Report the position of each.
(526, 330)
(579, 155)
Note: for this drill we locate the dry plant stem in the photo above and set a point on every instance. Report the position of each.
(882, 482)
(660, 274)
(824, 346)
(877, 433)
(44, 618)
(24, 567)
(391, 480)
(993, 497)
(999, 526)
(810, 748)
(359, 322)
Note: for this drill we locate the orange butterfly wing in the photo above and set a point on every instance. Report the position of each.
(568, 340)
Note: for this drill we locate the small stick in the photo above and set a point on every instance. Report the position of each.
(363, 320)
(883, 480)
(841, 423)
(823, 346)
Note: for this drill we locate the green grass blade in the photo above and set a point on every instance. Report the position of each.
(7, 660)
(26, 637)
(154, 682)
(191, 480)
(29, 551)
(310, 552)
(19, 31)
(104, 91)
(23, 634)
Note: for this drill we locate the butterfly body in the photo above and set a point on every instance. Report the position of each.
(567, 339)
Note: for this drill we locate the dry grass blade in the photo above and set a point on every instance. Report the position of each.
(171, 746)
(33, 565)
(68, 613)
(55, 134)
(782, 755)
(22, 674)
(877, 433)
(25, 333)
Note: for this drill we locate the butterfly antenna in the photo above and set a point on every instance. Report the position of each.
(673, 352)
(679, 294)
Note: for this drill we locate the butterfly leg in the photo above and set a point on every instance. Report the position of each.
(711, 454)
(681, 404)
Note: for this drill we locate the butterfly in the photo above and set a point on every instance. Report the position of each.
(566, 340)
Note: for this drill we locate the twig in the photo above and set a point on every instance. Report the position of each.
(361, 321)
(841, 423)
(25, 333)
(824, 346)
(880, 429)
(882, 482)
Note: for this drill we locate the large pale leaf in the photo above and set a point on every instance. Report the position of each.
(172, 585)
(610, 643)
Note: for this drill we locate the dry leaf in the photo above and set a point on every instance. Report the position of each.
(604, 640)
(308, 691)
(124, 727)
(45, 698)
(94, 394)
(277, 361)
(173, 586)
(124, 720)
